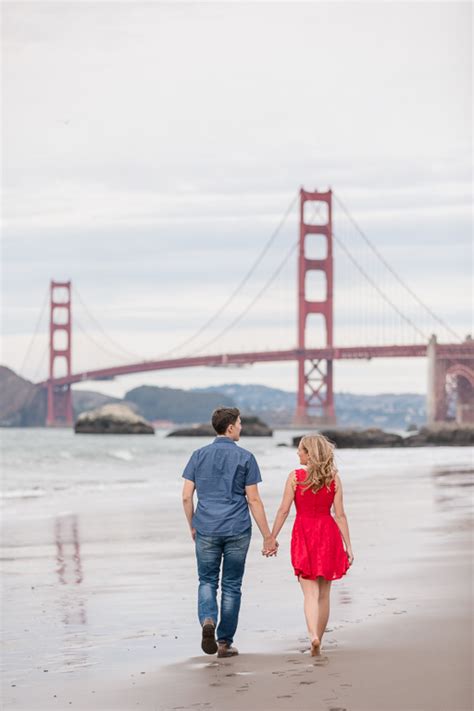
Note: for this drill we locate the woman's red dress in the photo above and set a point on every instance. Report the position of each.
(317, 547)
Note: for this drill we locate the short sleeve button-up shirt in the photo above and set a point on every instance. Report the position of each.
(220, 472)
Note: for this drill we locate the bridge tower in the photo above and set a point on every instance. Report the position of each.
(315, 397)
(59, 396)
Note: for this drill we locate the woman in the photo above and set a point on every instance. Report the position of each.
(317, 549)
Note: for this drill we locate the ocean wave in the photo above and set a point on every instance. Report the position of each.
(22, 494)
(79, 487)
(123, 454)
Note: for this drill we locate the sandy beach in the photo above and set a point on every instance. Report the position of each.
(99, 589)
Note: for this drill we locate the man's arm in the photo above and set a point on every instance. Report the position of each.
(258, 512)
(188, 504)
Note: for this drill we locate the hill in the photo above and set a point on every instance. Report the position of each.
(180, 406)
(22, 404)
(275, 406)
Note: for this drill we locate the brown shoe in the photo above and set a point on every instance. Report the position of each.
(226, 650)
(208, 642)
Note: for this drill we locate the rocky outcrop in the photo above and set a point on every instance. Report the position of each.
(359, 439)
(255, 427)
(442, 437)
(84, 400)
(194, 431)
(112, 419)
(251, 427)
(447, 436)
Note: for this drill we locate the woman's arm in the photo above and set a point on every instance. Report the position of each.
(341, 519)
(285, 506)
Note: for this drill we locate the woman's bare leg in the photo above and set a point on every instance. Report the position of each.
(310, 590)
(324, 599)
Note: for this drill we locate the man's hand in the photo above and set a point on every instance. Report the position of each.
(193, 534)
(270, 546)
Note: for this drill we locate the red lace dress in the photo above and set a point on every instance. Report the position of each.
(317, 548)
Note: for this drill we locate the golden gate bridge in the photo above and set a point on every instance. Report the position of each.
(450, 364)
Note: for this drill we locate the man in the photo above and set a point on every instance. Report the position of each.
(226, 479)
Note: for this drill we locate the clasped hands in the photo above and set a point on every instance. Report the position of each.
(270, 546)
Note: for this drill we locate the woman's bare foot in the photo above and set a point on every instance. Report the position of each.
(315, 647)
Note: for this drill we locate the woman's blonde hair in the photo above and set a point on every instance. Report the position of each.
(321, 465)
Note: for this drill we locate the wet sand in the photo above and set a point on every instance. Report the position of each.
(99, 605)
(413, 654)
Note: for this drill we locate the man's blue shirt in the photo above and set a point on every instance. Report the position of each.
(220, 472)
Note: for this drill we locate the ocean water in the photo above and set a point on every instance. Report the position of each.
(98, 565)
(48, 471)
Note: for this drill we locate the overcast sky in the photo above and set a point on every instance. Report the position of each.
(150, 150)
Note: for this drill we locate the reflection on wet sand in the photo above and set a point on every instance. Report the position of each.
(452, 494)
(66, 534)
(344, 596)
(72, 603)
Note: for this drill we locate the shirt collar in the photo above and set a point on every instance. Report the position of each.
(223, 440)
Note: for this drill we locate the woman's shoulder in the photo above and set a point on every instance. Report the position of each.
(299, 474)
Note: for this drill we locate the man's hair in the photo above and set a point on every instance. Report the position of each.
(222, 417)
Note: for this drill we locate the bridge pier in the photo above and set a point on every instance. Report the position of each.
(456, 371)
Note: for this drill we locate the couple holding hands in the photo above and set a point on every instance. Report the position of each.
(225, 478)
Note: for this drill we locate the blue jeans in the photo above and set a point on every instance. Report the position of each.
(210, 550)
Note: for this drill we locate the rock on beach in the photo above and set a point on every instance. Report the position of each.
(251, 427)
(441, 436)
(112, 419)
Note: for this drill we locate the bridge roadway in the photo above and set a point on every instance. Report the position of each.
(457, 350)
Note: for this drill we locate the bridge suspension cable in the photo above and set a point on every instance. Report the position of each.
(243, 313)
(114, 343)
(275, 274)
(238, 288)
(40, 364)
(94, 341)
(395, 274)
(35, 333)
(376, 287)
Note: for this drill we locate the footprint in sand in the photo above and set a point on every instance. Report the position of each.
(321, 662)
